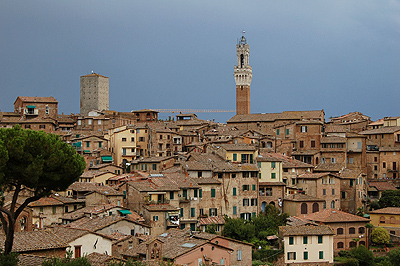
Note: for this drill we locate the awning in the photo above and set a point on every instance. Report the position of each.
(31, 106)
(125, 211)
(106, 159)
(86, 151)
(77, 144)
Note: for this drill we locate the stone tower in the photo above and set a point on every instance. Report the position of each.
(243, 75)
(94, 93)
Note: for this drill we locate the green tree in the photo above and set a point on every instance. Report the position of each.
(364, 256)
(211, 228)
(238, 229)
(394, 256)
(34, 160)
(380, 236)
(389, 198)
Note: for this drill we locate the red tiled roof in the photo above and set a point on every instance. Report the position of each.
(307, 230)
(387, 210)
(38, 99)
(334, 216)
(382, 185)
(212, 220)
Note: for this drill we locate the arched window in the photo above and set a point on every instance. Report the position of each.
(352, 230)
(361, 243)
(382, 220)
(315, 207)
(332, 204)
(392, 220)
(361, 230)
(340, 231)
(304, 208)
(353, 244)
(272, 203)
(340, 245)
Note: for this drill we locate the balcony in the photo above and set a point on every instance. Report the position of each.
(155, 202)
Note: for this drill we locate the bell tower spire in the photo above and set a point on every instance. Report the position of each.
(243, 74)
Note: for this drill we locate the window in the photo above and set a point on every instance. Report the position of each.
(245, 202)
(155, 218)
(192, 212)
(213, 193)
(100, 143)
(273, 175)
(253, 187)
(343, 194)
(89, 121)
(239, 254)
(333, 191)
(200, 193)
(246, 187)
(234, 191)
(321, 255)
(220, 175)
(340, 245)
(384, 165)
(291, 240)
(305, 255)
(253, 202)
(141, 139)
(234, 210)
(99, 122)
(303, 128)
(54, 209)
(87, 144)
(361, 230)
(171, 195)
(301, 144)
(333, 160)
(287, 131)
(324, 192)
(42, 126)
(277, 131)
(195, 192)
(247, 158)
(352, 230)
(291, 255)
(201, 212)
(181, 212)
(332, 204)
(319, 239)
(340, 231)
(47, 110)
(313, 144)
(303, 208)
(305, 240)
(324, 205)
(315, 207)
(234, 157)
(213, 211)
(273, 164)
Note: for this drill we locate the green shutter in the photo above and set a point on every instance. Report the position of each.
(200, 193)
(321, 255)
(273, 175)
(181, 212)
(234, 210)
(305, 240)
(234, 157)
(195, 193)
(171, 195)
(244, 187)
(291, 240)
(192, 212)
(234, 191)
(287, 131)
(254, 187)
(212, 193)
(185, 193)
(319, 239)
(305, 256)
(251, 158)
(273, 164)
(277, 131)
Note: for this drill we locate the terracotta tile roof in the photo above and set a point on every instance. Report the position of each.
(94, 75)
(102, 165)
(329, 167)
(301, 198)
(46, 201)
(272, 184)
(306, 152)
(205, 180)
(160, 207)
(97, 223)
(94, 187)
(387, 210)
(334, 216)
(305, 230)
(312, 175)
(155, 159)
(382, 130)
(288, 162)
(97, 259)
(208, 162)
(68, 234)
(349, 174)
(247, 167)
(212, 220)
(237, 147)
(382, 185)
(333, 139)
(267, 158)
(89, 210)
(377, 122)
(35, 240)
(335, 128)
(37, 99)
(271, 117)
(389, 149)
(30, 260)
(293, 220)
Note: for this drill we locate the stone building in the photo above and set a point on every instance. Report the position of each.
(94, 93)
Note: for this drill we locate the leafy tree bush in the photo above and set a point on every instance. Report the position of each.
(35, 160)
(374, 205)
(394, 256)
(211, 228)
(364, 256)
(380, 236)
(9, 260)
(389, 198)
(350, 262)
(238, 229)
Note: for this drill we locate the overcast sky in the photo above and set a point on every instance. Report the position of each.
(340, 56)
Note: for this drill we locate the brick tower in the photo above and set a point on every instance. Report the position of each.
(243, 75)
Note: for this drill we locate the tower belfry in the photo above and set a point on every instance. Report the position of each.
(243, 75)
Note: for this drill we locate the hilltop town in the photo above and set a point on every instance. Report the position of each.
(152, 189)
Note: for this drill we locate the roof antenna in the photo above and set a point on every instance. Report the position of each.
(92, 71)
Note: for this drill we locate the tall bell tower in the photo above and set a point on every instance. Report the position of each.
(243, 75)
